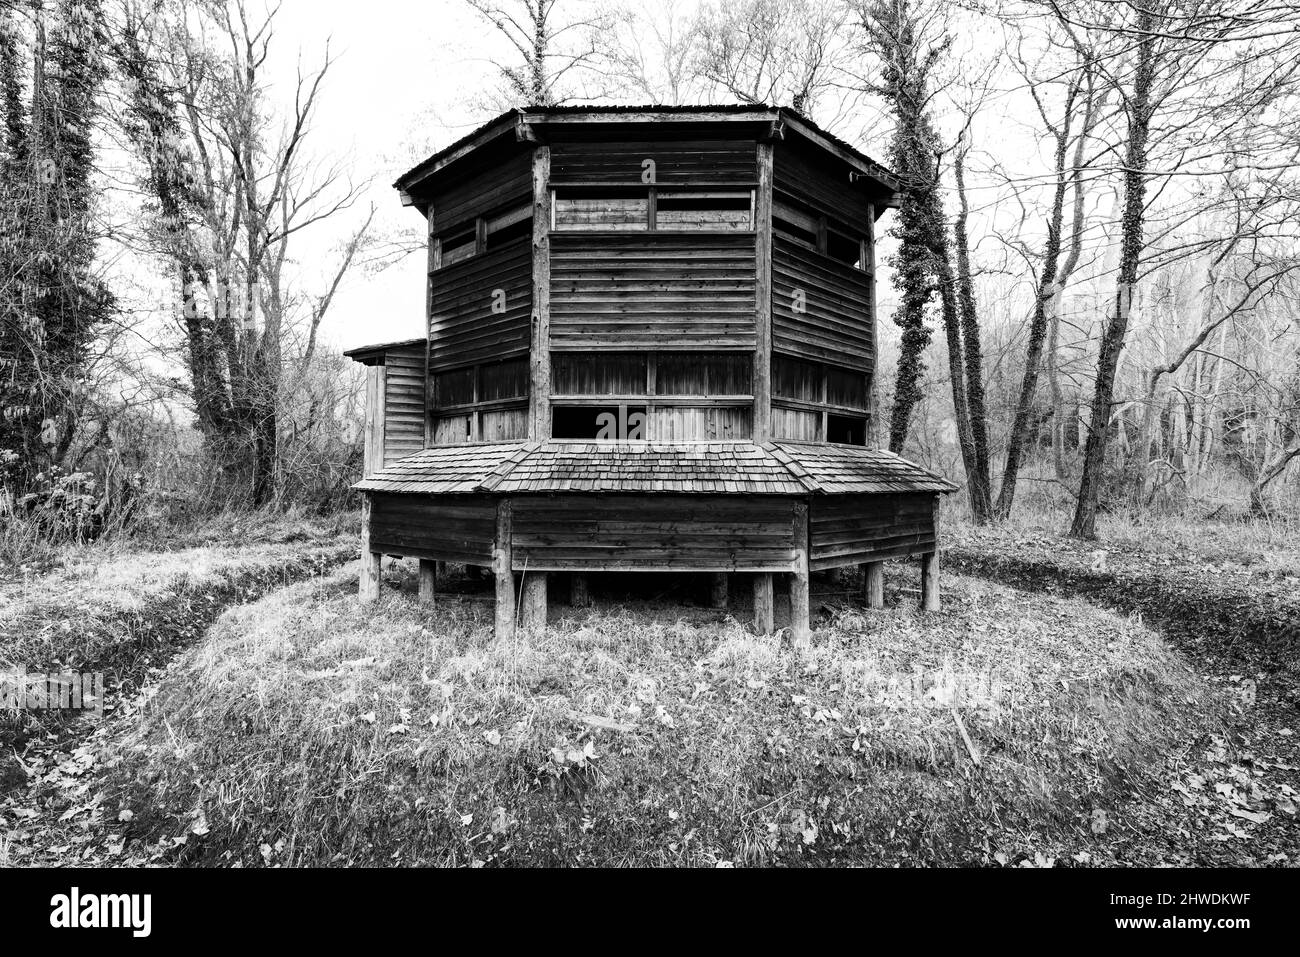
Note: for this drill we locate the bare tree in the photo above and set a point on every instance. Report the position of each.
(556, 45)
(232, 187)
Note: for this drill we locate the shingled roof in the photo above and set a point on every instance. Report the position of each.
(700, 468)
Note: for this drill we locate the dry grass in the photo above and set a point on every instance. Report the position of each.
(307, 729)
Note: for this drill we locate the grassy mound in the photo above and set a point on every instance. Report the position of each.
(107, 609)
(307, 729)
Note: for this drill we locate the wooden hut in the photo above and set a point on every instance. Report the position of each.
(651, 347)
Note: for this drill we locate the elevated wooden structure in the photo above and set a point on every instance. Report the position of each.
(651, 346)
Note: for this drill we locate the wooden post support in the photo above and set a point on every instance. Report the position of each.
(718, 590)
(440, 571)
(539, 357)
(800, 626)
(533, 613)
(930, 581)
(505, 576)
(762, 376)
(428, 581)
(764, 612)
(579, 596)
(874, 590)
(371, 562)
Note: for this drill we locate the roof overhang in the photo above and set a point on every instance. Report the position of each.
(372, 354)
(532, 124)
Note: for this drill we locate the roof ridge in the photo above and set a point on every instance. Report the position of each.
(507, 465)
(801, 474)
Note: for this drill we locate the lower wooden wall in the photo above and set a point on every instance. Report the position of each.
(444, 527)
(653, 533)
(850, 529)
(583, 532)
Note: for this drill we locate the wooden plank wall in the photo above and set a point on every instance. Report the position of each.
(797, 425)
(652, 291)
(498, 185)
(593, 159)
(403, 402)
(851, 529)
(808, 176)
(835, 324)
(463, 326)
(653, 533)
(695, 424)
(444, 528)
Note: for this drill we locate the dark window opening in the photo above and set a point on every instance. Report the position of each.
(846, 429)
(845, 248)
(609, 422)
(458, 246)
(510, 233)
(788, 230)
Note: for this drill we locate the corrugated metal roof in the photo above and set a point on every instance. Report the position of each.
(699, 468)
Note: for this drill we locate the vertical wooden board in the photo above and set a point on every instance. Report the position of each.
(370, 561)
(764, 604)
(762, 419)
(372, 415)
(428, 581)
(539, 409)
(532, 614)
(718, 590)
(800, 613)
(503, 573)
(874, 584)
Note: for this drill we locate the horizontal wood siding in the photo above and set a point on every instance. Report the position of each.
(620, 160)
(453, 529)
(850, 529)
(652, 291)
(836, 322)
(403, 402)
(463, 329)
(821, 183)
(500, 184)
(653, 533)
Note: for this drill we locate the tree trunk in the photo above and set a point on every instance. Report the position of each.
(1132, 223)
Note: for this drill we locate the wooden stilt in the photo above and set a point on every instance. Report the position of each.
(428, 581)
(440, 571)
(718, 590)
(505, 577)
(874, 589)
(370, 561)
(930, 581)
(533, 614)
(579, 595)
(800, 626)
(764, 612)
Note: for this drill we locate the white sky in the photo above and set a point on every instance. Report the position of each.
(396, 93)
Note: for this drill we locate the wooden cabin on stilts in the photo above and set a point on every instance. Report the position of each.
(651, 347)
